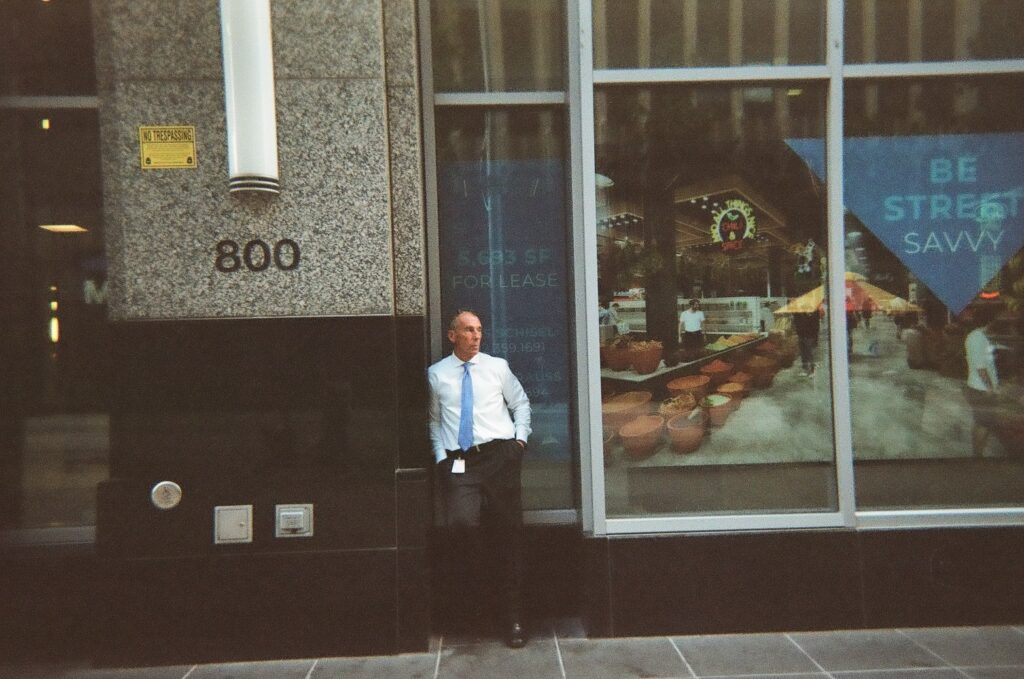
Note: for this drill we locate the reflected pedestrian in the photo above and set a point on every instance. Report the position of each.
(807, 327)
(982, 388)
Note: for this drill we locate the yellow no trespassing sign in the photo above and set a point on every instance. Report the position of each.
(167, 146)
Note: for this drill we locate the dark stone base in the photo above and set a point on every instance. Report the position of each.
(225, 608)
(47, 597)
(802, 580)
(553, 573)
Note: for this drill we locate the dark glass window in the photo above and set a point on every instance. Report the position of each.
(55, 344)
(933, 176)
(503, 253)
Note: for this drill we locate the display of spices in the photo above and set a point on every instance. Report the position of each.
(640, 437)
(695, 385)
(686, 430)
(616, 353)
(718, 407)
(740, 377)
(644, 345)
(621, 408)
(683, 403)
(732, 389)
(645, 356)
(762, 370)
(717, 370)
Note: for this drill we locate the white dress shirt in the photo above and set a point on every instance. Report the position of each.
(496, 393)
(691, 320)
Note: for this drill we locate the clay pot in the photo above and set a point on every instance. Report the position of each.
(788, 350)
(740, 356)
(686, 431)
(762, 370)
(718, 408)
(641, 436)
(615, 358)
(696, 385)
(683, 403)
(621, 408)
(741, 378)
(733, 390)
(717, 371)
(645, 361)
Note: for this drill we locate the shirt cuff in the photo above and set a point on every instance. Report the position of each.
(440, 455)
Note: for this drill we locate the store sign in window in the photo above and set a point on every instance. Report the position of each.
(733, 224)
(948, 206)
(503, 256)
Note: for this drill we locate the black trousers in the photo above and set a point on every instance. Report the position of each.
(484, 532)
(693, 342)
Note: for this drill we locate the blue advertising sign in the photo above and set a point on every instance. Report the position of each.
(948, 206)
(503, 256)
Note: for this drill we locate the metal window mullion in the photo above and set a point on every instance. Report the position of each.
(550, 517)
(430, 182)
(932, 69)
(725, 522)
(49, 102)
(631, 76)
(546, 98)
(841, 415)
(588, 367)
(940, 518)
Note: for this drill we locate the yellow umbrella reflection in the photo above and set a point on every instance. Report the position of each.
(860, 295)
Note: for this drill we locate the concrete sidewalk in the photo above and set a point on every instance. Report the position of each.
(559, 650)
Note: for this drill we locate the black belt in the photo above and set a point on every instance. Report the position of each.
(479, 448)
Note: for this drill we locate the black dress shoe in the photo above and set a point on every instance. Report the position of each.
(516, 637)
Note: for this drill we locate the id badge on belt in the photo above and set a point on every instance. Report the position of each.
(459, 466)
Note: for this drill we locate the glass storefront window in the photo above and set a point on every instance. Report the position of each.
(934, 230)
(508, 46)
(678, 33)
(55, 344)
(46, 49)
(887, 31)
(715, 381)
(503, 232)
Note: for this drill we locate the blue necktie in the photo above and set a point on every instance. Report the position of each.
(466, 418)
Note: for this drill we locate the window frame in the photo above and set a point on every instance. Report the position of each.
(581, 82)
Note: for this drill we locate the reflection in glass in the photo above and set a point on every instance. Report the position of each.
(933, 189)
(55, 341)
(46, 48)
(675, 33)
(513, 45)
(502, 214)
(711, 230)
(885, 31)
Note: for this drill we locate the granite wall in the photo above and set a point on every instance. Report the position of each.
(271, 386)
(348, 128)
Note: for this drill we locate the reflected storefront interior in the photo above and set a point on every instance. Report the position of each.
(758, 264)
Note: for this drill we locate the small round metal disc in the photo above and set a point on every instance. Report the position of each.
(165, 495)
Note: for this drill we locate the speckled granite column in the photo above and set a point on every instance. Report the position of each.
(402, 72)
(349, 149)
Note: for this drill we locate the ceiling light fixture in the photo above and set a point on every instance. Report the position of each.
(63, 228)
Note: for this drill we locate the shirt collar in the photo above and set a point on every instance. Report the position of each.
(459, 362)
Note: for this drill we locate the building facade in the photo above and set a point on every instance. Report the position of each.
(213, 405)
